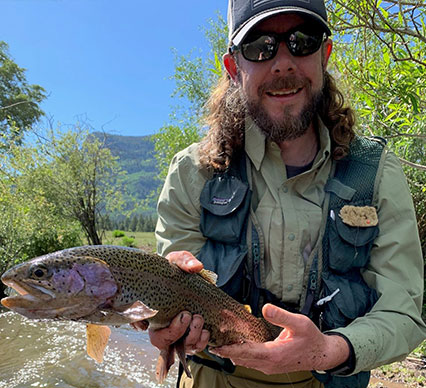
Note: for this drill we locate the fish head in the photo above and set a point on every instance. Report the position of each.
(62, 285)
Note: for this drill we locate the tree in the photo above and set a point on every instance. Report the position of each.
(380, 57)
(29, 225)
(81, 179)
(133, 223)
(19, 101)
(194, 78)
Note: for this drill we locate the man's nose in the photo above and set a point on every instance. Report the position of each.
(283, 62)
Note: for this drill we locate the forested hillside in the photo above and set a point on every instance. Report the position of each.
(136, 157)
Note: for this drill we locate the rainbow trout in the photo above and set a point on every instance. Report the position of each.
(111, 285)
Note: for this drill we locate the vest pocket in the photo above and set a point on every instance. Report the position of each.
(224, 260)
(349, 246)
(225, 205)
(353, 300)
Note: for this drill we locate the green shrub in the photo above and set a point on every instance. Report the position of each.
(118, 233)
(47, 241)
(128, 241)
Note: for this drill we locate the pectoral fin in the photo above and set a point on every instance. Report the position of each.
(97, 339)
(138, 311)
(135, 312)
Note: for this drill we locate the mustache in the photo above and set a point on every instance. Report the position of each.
(279, 83)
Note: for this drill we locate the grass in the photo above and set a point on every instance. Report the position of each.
(409, 373)
(142, 240)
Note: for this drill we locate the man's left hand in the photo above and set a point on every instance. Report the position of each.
(300, 346)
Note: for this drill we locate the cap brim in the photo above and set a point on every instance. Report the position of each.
(240, 34)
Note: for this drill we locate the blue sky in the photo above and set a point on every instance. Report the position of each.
(105, 61)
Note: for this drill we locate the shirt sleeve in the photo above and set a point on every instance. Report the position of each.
(179, 212)
(393, 327)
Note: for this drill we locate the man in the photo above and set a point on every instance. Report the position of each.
(306, 222)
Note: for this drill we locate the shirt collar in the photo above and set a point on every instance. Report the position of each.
(255, 143)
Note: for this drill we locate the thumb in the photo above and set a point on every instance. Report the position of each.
(185, 260)
(280, 317)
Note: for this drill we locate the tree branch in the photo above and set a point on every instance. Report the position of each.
(16, 103)
(411, 164)
(398, 134)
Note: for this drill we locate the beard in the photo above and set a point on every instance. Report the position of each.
(288, 126)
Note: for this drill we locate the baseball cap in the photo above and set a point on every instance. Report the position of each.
(243, 15)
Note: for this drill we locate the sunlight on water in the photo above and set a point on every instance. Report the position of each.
(53, 354)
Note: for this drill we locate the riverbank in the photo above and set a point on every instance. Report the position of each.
(410, 373)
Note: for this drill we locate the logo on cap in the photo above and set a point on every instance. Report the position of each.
(259, 3)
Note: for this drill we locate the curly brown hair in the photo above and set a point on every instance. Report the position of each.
(226, 121)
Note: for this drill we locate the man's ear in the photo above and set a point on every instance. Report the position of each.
(327, 49)
(230, 66)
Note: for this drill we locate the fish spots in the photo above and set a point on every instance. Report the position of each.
(98, 279)
(131, 275)
(68, 281)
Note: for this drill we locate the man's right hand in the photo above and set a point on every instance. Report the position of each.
(197, 338)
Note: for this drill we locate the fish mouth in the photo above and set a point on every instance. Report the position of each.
(36, 302)
(27, 294)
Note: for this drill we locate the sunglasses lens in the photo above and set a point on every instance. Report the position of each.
(260, 48)
(301, 44)
(264, 47)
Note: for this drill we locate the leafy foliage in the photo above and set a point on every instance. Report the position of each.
(380, 57)
(128, 241)
(171, 139)
(80, 178)
(194, 78)
(118, 233)
(19, 101)
(30, 226)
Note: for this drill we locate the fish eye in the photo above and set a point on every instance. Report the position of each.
(39, 272)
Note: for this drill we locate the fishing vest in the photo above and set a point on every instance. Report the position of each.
(335, 293)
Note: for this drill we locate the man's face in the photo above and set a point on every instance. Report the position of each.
(282, 94)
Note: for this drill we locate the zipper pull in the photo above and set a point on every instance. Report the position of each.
(328, 298)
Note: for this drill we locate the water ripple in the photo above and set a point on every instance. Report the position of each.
(53, 354)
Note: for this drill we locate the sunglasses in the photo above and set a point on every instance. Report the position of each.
(263, 46)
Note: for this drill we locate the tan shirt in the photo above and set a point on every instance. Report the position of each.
(289, 213)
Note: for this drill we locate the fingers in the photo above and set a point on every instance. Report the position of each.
(185, 261)
(197, 338)
(162, 338)
(283, 318)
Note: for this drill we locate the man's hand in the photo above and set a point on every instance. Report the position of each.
(300, 346)
(197, 337)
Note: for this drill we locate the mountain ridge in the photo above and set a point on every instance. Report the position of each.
(136, 156)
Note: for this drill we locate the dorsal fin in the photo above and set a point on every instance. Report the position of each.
(210, 276)
(97, 339)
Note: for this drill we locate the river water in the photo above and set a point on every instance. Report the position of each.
(53, 354)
